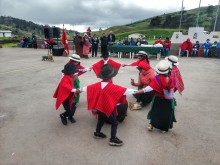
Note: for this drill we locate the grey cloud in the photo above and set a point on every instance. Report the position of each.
(94, 13)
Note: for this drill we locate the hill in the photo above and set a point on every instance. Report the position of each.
(163, 25)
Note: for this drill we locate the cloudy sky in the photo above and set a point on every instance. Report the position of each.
(80, 14)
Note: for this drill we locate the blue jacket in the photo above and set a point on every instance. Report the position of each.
(207, 45)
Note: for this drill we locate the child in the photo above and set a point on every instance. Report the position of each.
(106, 60)
(195, 49)
(75, 60)
(65, 93)
(103, 97)
(161, 114)
(207, 46)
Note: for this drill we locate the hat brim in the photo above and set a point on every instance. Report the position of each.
(174, 63)
(161, 72)
(140, 54)
(73, 72)
(106, 77)
(78, 60)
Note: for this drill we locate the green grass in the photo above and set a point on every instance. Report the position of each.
(10, 45)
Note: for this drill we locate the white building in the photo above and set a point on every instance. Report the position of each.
(5, 33)
(136, 35)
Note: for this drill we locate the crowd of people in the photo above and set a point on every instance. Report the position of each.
(209, 49)
(29, 42)
(103, 97)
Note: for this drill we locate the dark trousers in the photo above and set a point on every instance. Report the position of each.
(113, 121)
(104, 49)
(69, 112)
(94, 50)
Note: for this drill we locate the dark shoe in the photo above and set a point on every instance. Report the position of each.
(115, 142)
(99, 135)
(71, 119)
(63, 119)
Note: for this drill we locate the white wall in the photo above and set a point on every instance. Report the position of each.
(195, 34)
(5, 34)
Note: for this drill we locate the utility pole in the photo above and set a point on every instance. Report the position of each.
(216, 15)
(181, 16)
(197, 20)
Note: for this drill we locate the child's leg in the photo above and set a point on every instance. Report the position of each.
(69, 112)
(114, 122)
(101, 121)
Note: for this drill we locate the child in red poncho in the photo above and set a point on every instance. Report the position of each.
(103, 97)
(65, 93)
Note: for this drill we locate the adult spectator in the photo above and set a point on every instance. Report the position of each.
(78, 44)
(111, 38)
(34, 41)
(95, 43)
(185, 46)
(138, 43)
(166, 46)
(132, 42)
(144, 41)
(159, 41)
(126, 42)
(207, 46)
(104, 44)
(86, 46)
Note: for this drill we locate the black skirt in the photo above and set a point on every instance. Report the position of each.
(162, 114)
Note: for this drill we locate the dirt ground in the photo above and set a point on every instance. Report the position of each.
(31, 132)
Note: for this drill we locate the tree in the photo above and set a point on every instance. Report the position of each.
(155, 21)
(210, 10)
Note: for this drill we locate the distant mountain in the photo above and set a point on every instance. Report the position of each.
(163, 25)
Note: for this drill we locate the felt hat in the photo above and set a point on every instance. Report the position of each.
(75, 57)
(107, 72)
(69, 69)
(173, 60)
(141, 53)
(163, 67)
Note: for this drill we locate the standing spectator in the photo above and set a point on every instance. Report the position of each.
(185, 46)
(132, 42)
(86, 46)
(95, 44)
(166, 46)
(195, 49)
(218, 49)
(111, 38)
(138, 43)
(144, 41)
(78, 42)
(104, 44)
(207, 45)
(34, 41)
(126, 42)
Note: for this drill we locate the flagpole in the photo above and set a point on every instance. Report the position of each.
(197, 20)
(181, 15)
(216, 15)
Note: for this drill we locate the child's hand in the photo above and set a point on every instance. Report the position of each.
(123, 65)
(78, 91)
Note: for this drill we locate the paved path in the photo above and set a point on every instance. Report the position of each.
(31, 132)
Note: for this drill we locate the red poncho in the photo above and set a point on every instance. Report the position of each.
(158, 86)
(105, 100)
(64, 90)
(177, 76)
(97, 66)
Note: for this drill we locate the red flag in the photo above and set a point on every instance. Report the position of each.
(65, 41)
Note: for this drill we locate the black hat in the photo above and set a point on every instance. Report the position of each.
(69, 69)
(107, 72)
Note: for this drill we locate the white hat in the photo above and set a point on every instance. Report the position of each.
(172, 59)
(75, 57)
(163, 67)
(141, 53)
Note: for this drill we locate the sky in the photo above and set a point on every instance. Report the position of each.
(80, 14)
